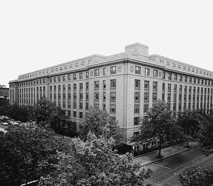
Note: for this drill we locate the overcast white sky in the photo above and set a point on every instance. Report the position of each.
(35, 34)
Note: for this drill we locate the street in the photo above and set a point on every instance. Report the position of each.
(165, 172)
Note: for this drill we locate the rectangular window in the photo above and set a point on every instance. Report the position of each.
(136, 121)
(146, 84)
(104, 71)
(112, 96)
(112, 83)
(137, 70)
(154, 97)
(136, 109)
(155, 73)
(81, 75)
(74, 96)
(74, 76)
(80, 114)
(74, 87)
(74, 114)
(69, 77)
(81, 86)
(113, 70)
(104, 106)
(181, 78)
(146, 96)
(146, 108)
(96, 72)
(155, 86)
(64, 78)
(80, 96)
(175, 77)
(87, 74)
(104, 84)
(112, 108)
(169, 76)
(81, 105)
(87, 86)
(96, 84)
(96, 96)
(137, 96)
(137, 84)
(169, 87)
(87, 96)
(104, 96)
(185, 78)
(69, 87)
(147, 71)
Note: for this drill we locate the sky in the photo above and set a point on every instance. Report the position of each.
(36, 34)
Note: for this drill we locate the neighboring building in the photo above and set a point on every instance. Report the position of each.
(4, 92)
(124, 84)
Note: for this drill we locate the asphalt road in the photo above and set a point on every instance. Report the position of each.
(165, 172)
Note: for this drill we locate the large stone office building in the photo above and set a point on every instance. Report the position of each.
(124, 84)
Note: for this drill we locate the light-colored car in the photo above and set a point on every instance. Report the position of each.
(3, 130)
(4, 123)
(14, 123)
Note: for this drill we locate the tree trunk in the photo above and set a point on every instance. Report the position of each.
(160, 141)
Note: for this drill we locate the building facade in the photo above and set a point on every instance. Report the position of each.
(4, 92)
(124, 84)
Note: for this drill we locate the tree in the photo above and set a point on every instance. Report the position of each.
(189, 120)
(94, 163)
(48, 115)
(26, 153)
(100, 123)
(197, 176)
(160, 124)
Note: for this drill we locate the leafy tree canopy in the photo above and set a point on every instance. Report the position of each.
(94, 163)
(100, 123)
(197, 176)
(26, 153)
(160, 124)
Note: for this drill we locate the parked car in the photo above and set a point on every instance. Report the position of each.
(4, 123)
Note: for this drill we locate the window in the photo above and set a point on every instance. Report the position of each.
(169, 76)
(112, 96)
(146, 84)
(81, 105)
(81, 75)
(169, 97)
(163, 87)
(185, 78)
(64, 78)
(74, 114)
(74, 76)
(104, 106)
(96, 72)
(59, 78)
(87, 96)
(175, 77)
(87, 74)
(74, 87)
(147, 71)
(146, 96)
(137, 84)
(104, 71)
(74, 105)
(104, 84)
(169, 87)
(146, 108)
(87, 85)
(69, 77)
(104, 96)
(80, 96)
(137, 70)
(137, 96)
(59, 88)
(74, 96)
(113, 83)
(113, 70)
(112, 108)
(154, 96)
(96, 96)
(164, 75)
(181, 78)
(136, 109)
(81, 86)
(87, 105)
(155, 73)
(96, 84)
(155, 86)
(136, 121)
(80, 114)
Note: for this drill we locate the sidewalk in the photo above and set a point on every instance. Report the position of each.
(151, 157)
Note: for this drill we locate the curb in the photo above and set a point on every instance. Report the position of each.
(171, 155)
